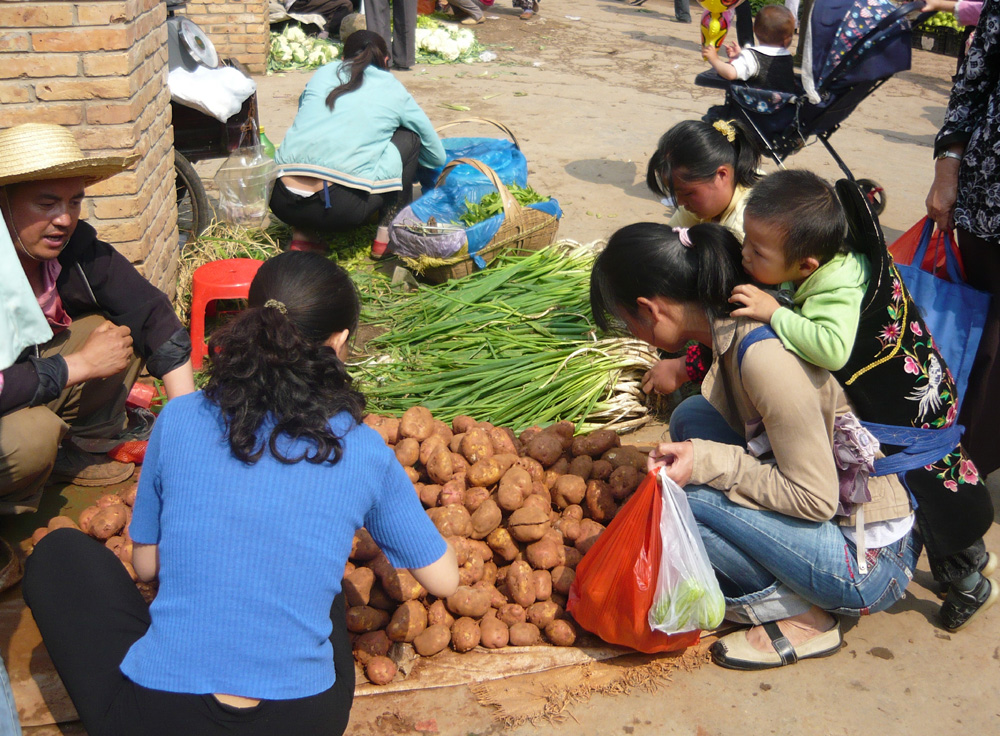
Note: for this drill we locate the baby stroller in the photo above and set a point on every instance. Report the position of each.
(851, 48)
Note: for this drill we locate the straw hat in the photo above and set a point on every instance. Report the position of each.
(36, 151)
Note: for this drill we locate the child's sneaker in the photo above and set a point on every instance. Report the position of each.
(961, 607)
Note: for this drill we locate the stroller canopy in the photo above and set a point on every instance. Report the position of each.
(835, 27)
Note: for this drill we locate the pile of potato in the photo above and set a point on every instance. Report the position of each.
(520, 511)
(107, 521)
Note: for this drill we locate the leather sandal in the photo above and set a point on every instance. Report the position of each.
(736, 653)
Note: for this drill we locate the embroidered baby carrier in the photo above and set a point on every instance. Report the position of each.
(904, 394)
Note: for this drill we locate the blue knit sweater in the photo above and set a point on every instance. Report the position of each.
(251, 556)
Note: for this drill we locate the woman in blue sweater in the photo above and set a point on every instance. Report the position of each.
(249, 499)
(353, 148)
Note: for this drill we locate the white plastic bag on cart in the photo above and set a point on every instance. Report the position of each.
(688, 596)
(245, 181)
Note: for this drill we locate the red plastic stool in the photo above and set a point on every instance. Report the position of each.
(228, 279)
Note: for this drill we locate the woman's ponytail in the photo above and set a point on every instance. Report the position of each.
(361, 50)
(271, 364)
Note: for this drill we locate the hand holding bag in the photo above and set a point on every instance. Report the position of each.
(616, 580)
(954, 312)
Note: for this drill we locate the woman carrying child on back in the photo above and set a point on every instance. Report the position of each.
(707, 169)
(353, 148)
(851, 314)
(250, 496)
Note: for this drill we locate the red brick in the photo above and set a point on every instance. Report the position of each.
(36, 15)
(81, 39)
(15, 41)
(104, 13)
(109, 88)
(111, 64)
(39, 65)
(14, 92)
(70, 114)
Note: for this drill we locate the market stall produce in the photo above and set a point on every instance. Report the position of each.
(520, 511)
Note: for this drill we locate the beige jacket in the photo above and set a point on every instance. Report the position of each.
(798, 403)
(732, 217)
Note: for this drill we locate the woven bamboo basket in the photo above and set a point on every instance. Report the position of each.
(523, 230)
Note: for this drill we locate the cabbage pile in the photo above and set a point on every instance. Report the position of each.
(293, 49)
(439, 44)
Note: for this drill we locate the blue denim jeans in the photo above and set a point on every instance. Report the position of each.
(771, 566)
(9, 723)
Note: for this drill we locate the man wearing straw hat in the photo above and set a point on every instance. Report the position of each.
(78, 320)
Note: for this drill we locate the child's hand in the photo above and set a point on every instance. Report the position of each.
(757, 304)
(709, 52)
(733, 49)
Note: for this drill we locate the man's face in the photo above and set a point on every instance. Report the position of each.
(43, 214)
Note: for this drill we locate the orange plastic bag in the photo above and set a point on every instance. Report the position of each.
(616, 580)
(904, 248)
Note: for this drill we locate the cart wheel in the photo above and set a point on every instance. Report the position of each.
(874, 193)
(193, 210)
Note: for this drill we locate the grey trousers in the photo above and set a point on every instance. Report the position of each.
(403, 43)
(471, 8)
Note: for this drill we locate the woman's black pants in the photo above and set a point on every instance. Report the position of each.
(90, 613)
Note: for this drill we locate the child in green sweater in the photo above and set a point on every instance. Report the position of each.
(795, 237)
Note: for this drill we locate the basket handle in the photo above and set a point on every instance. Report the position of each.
(507, 131)
(512, 209)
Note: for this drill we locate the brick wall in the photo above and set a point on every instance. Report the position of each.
(239, 29)
(100, 67)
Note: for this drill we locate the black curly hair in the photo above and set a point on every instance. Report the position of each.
(271, 364)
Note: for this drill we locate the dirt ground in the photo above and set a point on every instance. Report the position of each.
(588, 87)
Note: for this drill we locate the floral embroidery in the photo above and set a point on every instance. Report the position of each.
(955, 469)
(915, 329)
(890, 333)
(911, 366)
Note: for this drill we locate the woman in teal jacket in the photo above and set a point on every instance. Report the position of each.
(353, 148)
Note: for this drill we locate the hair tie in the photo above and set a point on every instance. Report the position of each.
(684, 236)
(726, 128)
(275, 304)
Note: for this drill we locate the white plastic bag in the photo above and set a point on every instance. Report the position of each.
(688, 596)
(245, 181)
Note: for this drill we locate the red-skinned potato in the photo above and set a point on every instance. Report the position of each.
(581, 466)
(534, 468)
(452, 492)
(573, 512)
(502, 544)
(442, 430)
(568, 490)
(525, 635)
(519, 583)
(380, 670)
(568, 527)
(413, 474)
(473, 498)
(515, 486)
(428, 494)
(468, 601)
(506, 461)
(542, 613)
(462, 423)
(451, 521)
(86, 516)
(430, 446)
(358, 586)
(512, 613)
(459, 465)
(623, 481)
(551, 477)
(408, 621)
(363, 548)
(407, 452)
(542, 581)
(109, 499)
(489, 572)
(560, 633)
(562, 578)
(61, 522)
(590, 530)
(493, 633)
(371, 644)
(472, 571)
(455, 443)
(497, 598)
(128, 494)
(596, 443)
(39, 534)
(125, 553)
(560, 466)
(476, 445)
(438, 615)
(538, 502)
(485, 519)
(365, 618)
(439, 466)
(544, 554)
(432, 640)
(417, 423)
(626, 455)
(380, 599)
(109, 521)
(465, 634)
